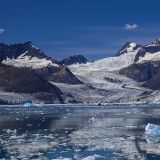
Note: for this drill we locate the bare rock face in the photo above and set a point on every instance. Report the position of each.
(148, 73)
(64, 76)
(76, 59)
(24, 80)
(15, 50)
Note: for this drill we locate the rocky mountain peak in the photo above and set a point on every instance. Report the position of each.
(128, 47)
(156, 41)
(15, 50)
(76, 59)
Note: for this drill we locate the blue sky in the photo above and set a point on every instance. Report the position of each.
(94, 28)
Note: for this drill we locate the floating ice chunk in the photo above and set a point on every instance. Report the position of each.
(152, 129)
(11, 131)
(62, 159)
(89, 158)
(30, 105)
(153, 133)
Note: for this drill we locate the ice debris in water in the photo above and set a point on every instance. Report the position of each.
(152, 129)
(30, 105)
(152, 133)
(86, 158)
(89, 158)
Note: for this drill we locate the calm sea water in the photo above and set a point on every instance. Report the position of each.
(78, 132)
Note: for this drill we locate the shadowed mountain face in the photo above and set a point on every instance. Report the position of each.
(24, 80)
(77, 59)
(64, 76)
(148, 73)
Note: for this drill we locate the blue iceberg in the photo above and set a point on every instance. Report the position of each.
(152, 133)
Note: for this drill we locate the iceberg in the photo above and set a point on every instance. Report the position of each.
(152, 133)
(152, 129)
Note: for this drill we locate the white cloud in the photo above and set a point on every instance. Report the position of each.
(2, 30)
(130, 26)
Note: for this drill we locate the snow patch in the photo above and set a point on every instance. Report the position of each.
(30, 62)
(150, 57)
(89, 158)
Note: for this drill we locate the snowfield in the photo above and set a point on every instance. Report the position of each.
(30, 62)
(104, 75)
(150, 57)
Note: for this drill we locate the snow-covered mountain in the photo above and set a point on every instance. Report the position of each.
(76, 59)
(25, 55)
(128, 47)
(119, 79)
(30, 62)
(132, 75)
(35, 66)
(126, 57)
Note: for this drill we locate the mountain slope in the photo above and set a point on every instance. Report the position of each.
(25, 55)
(22, 80)
(128, 47)
(15, 50)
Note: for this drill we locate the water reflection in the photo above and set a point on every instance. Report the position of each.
(75, 132)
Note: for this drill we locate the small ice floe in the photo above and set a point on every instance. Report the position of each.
(92, 120)
(152, 133)
(31, 105)
(11, 131)
(61, 158)
(152, 129)
(89, 158)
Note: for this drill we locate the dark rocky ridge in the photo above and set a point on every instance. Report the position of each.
(76, 59)
(64, 76)
(148, 73)
(24, 80)
(15, 50)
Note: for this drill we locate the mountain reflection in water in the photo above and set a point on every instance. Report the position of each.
(107, 132)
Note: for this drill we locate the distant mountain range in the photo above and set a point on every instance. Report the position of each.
(28, 74)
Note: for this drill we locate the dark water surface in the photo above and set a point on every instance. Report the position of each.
(78, 132)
